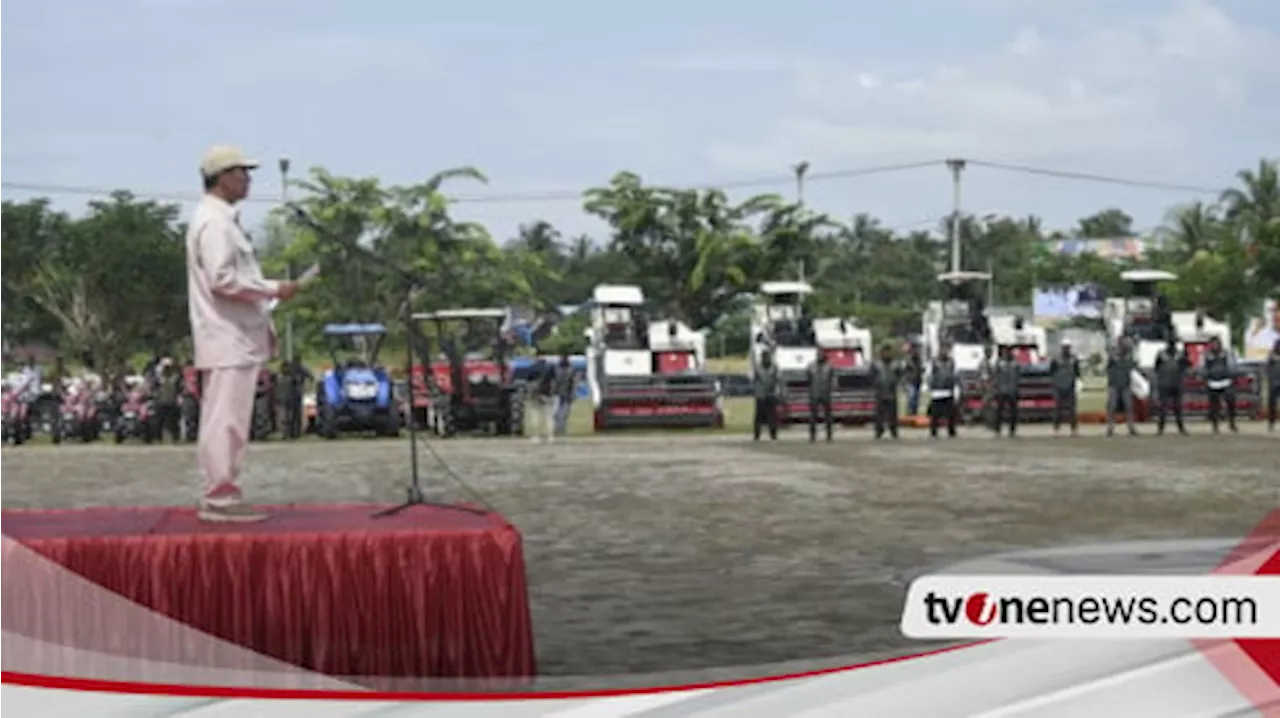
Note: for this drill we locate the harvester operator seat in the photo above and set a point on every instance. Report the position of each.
(1163, 317)
(641, 337)
(978, 324)
(805, 328)
(617, 335)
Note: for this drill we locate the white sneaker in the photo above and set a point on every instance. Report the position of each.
(233, 514)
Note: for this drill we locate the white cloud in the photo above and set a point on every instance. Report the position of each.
(1105, 98)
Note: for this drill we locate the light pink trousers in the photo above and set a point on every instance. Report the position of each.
(226, 418)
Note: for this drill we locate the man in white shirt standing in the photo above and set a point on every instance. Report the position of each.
(231, 328)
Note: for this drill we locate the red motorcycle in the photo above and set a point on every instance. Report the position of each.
(78, 418)
(138, 418)
(17, 419)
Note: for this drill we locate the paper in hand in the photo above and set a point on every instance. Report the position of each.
(312, 274)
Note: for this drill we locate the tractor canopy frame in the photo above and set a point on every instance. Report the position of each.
(367, 339)
(478, 324)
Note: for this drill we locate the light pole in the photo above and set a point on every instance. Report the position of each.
(800, 171)
(288, 270)
(957, 167)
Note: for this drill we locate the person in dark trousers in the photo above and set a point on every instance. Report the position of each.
(542, 402)
(58, 379)
(987, 385)
(1217, 377)
(565, 386)
(168, 390)
(914, 371)
(943, 387)
(887, 374)
(1273, 384)
(821, 380)
(1120, 368)
(1065, 370)
(766, 389)
(294, 377)
(1007, 376)
(1171, 369)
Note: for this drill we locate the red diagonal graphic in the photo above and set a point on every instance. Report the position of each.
(1252, 666)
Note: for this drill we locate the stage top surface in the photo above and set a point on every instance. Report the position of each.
(158, 521)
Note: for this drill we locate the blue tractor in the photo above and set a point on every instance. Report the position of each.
(357, 394)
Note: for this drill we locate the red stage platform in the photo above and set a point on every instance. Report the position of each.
(430, 592)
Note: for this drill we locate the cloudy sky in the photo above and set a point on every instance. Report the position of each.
(553, 96)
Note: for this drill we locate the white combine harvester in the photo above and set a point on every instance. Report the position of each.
(958, 319)
(643, 374)
(779, 324)
(1142, 317)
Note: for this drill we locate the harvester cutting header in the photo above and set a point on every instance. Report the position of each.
(781, 324)
(643, 374)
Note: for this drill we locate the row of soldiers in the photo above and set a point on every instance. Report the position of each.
(999, 379)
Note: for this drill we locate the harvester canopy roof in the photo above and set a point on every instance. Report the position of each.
(963, 277)
(460, 314)
(1147, 276)
(618, 294)
(778, 288)
(354, 330)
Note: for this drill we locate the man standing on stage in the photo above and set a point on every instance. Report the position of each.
(1171, 367)
(230, 304)
(1065, 371)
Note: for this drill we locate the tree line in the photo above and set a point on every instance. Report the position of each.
(112, 281)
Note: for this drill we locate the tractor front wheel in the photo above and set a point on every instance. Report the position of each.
(515, 416)
(391, 424)
(447, 421)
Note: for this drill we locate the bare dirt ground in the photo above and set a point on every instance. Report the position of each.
(668, 553)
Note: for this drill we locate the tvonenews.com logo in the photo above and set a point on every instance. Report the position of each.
(1093, 606)
(982, 609)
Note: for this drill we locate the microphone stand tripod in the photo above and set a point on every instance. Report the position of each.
(413, 283)
(413, 492)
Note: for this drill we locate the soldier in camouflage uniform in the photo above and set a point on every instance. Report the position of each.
(821, 377)
(986, 384)
(887, 374)
(767, 387)
(1217, 376)
(1007, 376)
(1065, 371)
(943, 391)
(1171, 367)
(1120, 368)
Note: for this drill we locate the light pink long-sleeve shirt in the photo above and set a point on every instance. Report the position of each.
(227, 296)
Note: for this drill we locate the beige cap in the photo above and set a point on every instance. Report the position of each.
(221, 158)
